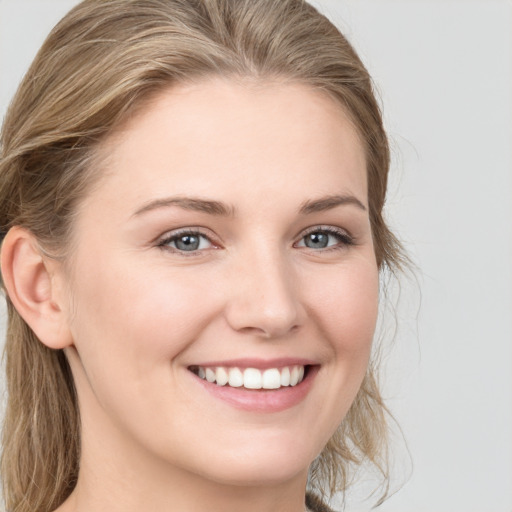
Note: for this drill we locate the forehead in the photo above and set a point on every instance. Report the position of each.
(227, 137)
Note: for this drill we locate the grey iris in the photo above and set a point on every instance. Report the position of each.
(187, 243)
(316, 240)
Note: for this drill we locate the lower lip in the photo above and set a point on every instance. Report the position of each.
(262, 400)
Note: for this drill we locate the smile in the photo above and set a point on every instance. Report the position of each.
(252, 378)
(256, 385)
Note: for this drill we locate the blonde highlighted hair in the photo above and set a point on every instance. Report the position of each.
(102, 61)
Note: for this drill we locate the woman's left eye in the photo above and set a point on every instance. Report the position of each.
(324, 239)
(186, 242)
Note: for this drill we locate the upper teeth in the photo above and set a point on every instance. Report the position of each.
(252, 378)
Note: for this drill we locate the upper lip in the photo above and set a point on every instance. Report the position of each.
(260, 364)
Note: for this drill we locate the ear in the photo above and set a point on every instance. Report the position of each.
(34, 286)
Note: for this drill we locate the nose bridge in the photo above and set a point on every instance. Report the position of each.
(264, 298)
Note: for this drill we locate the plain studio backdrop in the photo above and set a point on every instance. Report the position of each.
(444, 72)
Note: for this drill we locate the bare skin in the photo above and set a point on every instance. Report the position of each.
(231, 223)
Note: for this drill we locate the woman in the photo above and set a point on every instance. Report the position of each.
(191, 195)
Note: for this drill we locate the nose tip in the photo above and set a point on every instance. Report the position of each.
(265, 302)
(268, 323)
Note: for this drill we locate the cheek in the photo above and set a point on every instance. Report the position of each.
(129, 298)
(130, 328)
(344, 303)
(346, 306)
(133, 321)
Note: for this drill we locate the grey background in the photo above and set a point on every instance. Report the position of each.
(444, 72)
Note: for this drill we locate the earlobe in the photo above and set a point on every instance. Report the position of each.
(31, 285)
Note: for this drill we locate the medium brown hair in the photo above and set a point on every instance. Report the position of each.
(97, 65)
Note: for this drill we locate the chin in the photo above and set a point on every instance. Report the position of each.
(262, 465)
(259, 474)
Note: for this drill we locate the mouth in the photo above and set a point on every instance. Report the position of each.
(252, 378)
(257, 385)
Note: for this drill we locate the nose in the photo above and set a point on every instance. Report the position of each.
(263, 297)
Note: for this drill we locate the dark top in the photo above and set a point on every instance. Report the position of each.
(315, 504)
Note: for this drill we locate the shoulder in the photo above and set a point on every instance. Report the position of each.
(315, 504)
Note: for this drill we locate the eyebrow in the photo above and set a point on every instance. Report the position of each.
(189, 203)
(329, 202)
(217, 208)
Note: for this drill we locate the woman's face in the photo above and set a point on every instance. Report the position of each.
(228, 238)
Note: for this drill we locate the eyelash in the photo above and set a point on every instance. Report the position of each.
(344, 240)
(176, 235)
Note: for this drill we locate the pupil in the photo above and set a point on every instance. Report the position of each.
(188, 243)
(317, 240)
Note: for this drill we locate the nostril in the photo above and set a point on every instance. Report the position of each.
(269, 332)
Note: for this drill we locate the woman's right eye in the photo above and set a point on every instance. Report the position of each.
(189, 241)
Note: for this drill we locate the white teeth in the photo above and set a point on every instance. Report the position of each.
(252, 378)
(236, 379)
(210, 375)
(271, 379)
(221, 376)
(294, 376)
(285, 376)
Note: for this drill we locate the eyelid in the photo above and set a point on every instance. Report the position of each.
(346, 239)
(169, 236)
